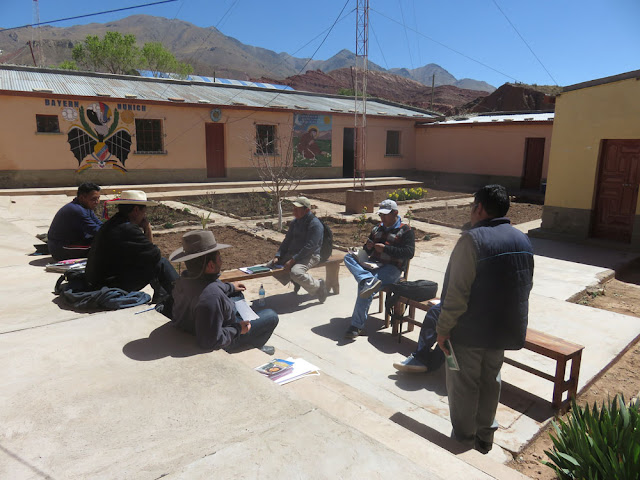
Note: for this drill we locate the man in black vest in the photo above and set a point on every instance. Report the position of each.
(485, 305)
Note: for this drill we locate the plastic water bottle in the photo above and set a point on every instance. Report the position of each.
(261, 294)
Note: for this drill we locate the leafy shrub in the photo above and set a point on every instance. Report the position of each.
(601, 443)
(407, 194)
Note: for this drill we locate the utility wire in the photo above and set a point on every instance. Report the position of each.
(524, 41)
(88, 15)
(406, 35)
(445, 46)
(378, 43)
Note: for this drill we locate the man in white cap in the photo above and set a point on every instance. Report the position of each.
(205, 307)
(391, 244)
(122, 254)
(300, 250)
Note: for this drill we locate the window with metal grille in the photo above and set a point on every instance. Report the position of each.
(47, 124)
(393, 142)
(149, 136)
(265, 139)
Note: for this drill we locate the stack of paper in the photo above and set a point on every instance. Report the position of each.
(301, 368)
(65, 265)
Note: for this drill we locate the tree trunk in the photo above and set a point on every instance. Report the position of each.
(279, 200)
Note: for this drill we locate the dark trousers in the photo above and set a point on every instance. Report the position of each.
(160, 276)
(259, 333)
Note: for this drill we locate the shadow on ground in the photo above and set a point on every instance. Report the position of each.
(164, 341)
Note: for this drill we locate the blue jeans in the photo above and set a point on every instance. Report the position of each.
(260, 331)
(428, 337)
(387, 274)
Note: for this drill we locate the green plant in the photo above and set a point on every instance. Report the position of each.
(361, 222)
(597, 443)
(168, 225)
(407, 194)
(186, 210)
(204, 220)
(409, 215)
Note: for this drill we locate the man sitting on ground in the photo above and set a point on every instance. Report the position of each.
(300, 250)
(425, 359)
(391, 244)
(75, 224)
(123, 255)
(205, 307)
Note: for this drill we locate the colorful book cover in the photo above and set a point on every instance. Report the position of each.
(275, 367)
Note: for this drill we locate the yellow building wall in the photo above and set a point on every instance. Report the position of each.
(583, 119)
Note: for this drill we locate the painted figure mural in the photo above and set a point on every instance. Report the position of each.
(312, 140)
(100, 141)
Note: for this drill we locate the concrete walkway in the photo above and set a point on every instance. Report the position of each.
(120, 395)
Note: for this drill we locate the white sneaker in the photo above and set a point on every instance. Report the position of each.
(370, 287)
(411, 365)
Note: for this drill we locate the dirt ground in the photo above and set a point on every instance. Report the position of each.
(621, 294)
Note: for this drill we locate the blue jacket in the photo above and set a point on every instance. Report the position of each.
(303, 239)
(498, 307)
(72, 225)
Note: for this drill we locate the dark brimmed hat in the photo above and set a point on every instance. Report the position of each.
(195, 244)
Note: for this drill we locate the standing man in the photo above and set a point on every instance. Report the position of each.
(300, 250)
(75, 224)
(391, 243)
(205, 307)
(485, 305)
(123, 255)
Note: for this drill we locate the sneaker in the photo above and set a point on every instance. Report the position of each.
(268, 349)
(322, 292)
(296, 287)
(369, 288)
(411, 365)
(353, 332)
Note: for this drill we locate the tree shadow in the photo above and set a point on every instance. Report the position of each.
(164, 341)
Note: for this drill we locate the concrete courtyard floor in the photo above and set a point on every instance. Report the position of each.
(120, 395)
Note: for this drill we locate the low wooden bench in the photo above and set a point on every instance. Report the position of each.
(539, 342)
(332, 269)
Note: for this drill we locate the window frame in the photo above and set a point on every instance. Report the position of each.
(46, 118)
(147, 137)
(389, 144)
(264, 144)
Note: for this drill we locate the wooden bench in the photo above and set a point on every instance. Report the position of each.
(332, 269)
(387, 289)
(539, 342)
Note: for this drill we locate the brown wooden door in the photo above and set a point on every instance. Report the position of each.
(214, 133)
(533, 159)
(617, 190)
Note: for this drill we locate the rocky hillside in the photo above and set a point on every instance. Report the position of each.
(512, 98)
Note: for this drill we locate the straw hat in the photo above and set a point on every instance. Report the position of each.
(134, 197)
(195, 244)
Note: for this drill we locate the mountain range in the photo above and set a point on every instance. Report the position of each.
(209, 51)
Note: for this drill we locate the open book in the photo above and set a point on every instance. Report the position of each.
(363, 259)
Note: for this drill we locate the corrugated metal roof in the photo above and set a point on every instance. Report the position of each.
(26, 79)
(501, 118)
(223, 81)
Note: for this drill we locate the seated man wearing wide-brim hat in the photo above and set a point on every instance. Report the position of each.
(122, 254)
(205, 306)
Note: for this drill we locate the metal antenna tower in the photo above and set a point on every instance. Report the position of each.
(36, 36)
(360, 94)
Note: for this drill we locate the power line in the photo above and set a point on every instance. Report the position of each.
(406, 35)
(378, 43)
(446, 46)
(88, 15)
(524, 41)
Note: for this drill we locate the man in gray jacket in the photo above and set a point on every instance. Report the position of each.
(300, 250)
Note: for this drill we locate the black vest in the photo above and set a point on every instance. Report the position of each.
(498, 308)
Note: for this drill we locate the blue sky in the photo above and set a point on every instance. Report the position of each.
(574, 40)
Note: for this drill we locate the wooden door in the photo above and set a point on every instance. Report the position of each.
(214, 134)
(617, 190)
(348, 150)
(533, 159)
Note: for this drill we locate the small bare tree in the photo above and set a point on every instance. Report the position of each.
(272, 157)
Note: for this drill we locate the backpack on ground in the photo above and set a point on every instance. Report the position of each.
(327, 242)
(418, 290)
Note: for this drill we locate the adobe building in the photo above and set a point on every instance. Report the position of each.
(509, 149)
(60, 128)
(594, 169)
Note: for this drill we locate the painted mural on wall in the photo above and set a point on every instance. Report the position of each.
(311, 140)
(100, 139)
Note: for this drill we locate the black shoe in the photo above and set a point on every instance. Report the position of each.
(268, 349)
(482, 446)
(296, 287)
(322, 292)
(353, 332)
(369, 287)
(159, 296)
